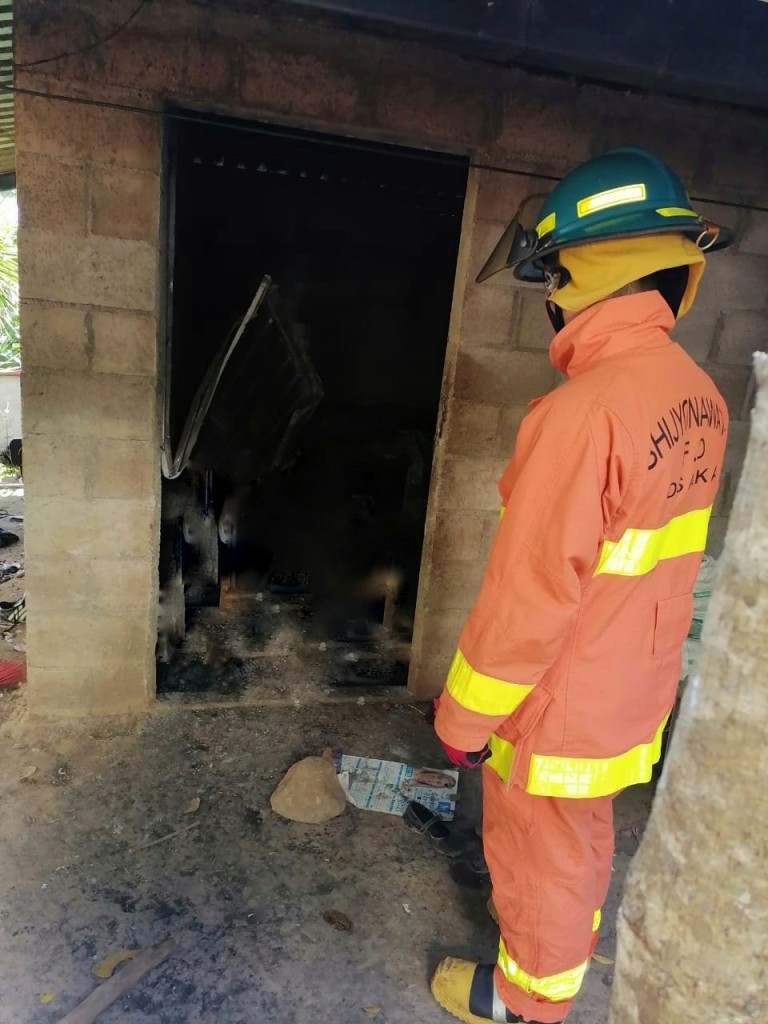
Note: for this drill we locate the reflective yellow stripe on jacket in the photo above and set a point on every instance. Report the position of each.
(580, 776)
(556, 988)
(639, 551)
(485, 694)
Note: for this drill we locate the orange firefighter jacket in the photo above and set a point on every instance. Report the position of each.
(570, 660)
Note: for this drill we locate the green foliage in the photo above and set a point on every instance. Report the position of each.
(10, 345)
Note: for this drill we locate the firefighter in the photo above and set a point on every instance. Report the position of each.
(568, 666)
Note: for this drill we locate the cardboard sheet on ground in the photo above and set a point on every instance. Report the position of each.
(387, 786)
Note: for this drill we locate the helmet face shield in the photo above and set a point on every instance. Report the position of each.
(518, 242)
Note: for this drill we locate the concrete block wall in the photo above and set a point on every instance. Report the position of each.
(89, 269)
(91, 248)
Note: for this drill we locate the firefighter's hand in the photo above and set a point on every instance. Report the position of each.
(464, 758)
(467, 758)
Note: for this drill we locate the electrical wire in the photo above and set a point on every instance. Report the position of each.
(261, 129)
(90, 46)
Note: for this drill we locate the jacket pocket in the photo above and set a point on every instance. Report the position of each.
(673, 620)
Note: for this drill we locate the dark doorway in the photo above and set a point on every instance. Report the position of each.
(311, 284)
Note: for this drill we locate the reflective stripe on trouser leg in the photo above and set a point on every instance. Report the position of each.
(556, 988)
(547, 873)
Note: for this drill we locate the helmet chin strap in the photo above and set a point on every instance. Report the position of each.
(555, 314)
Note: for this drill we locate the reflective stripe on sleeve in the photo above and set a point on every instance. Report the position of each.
(557, 988)
(639, 551)
(485, 694)
(580, 777)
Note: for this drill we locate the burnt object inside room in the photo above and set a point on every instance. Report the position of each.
(310, 287)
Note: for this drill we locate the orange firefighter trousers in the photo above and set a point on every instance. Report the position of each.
(550, 864)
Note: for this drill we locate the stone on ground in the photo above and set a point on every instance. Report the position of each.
(309, 792)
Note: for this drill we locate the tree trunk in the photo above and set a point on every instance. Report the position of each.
(693, 927)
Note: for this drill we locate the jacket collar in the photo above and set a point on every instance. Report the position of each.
(610, 328)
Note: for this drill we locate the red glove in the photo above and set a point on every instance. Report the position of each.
(463, 758)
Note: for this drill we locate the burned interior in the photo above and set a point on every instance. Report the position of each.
(310, 286)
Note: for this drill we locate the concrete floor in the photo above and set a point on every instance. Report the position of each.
(244, 892)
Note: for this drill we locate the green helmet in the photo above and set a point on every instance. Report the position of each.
(625, 193)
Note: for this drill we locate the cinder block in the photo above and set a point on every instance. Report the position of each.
(87, 641)
(88, 133)
(126, 203)
(651, 124)
(732, 382)
(87, 405)
(544, 132)
(432, 657)
(74, 693)
(741, 335)
(502, 377)
(51, 195)
(124, 343)
(509, 425)
(143, 61)
(740, 162)
(696, 332)
(125, 469)
(534, 330)
(54, 466)
(471, 428)
(43, 29)
(123, 587)
(209, 67)
(52, 337)
(56, 583)
(91, 529)
(66, 584)
(470, 483)
(460, 535)
(489, 315)
(428, 106)
(500, 193)
(303, 84)
(90, 271)
(454, 585)
(735, 281)
(754, 238)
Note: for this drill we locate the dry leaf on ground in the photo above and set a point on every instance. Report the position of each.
(193, 806)
(337, 920)
(106, 968)
(602, 959)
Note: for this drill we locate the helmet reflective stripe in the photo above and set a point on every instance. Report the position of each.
(676, 211)
(611, 197)
(548, 224)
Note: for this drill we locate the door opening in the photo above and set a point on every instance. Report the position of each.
(311, 280)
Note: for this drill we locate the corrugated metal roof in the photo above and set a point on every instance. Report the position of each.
(7, 148)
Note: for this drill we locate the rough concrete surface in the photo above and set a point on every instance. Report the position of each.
(244, 892)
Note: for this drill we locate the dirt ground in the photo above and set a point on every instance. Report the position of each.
(244, 892)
